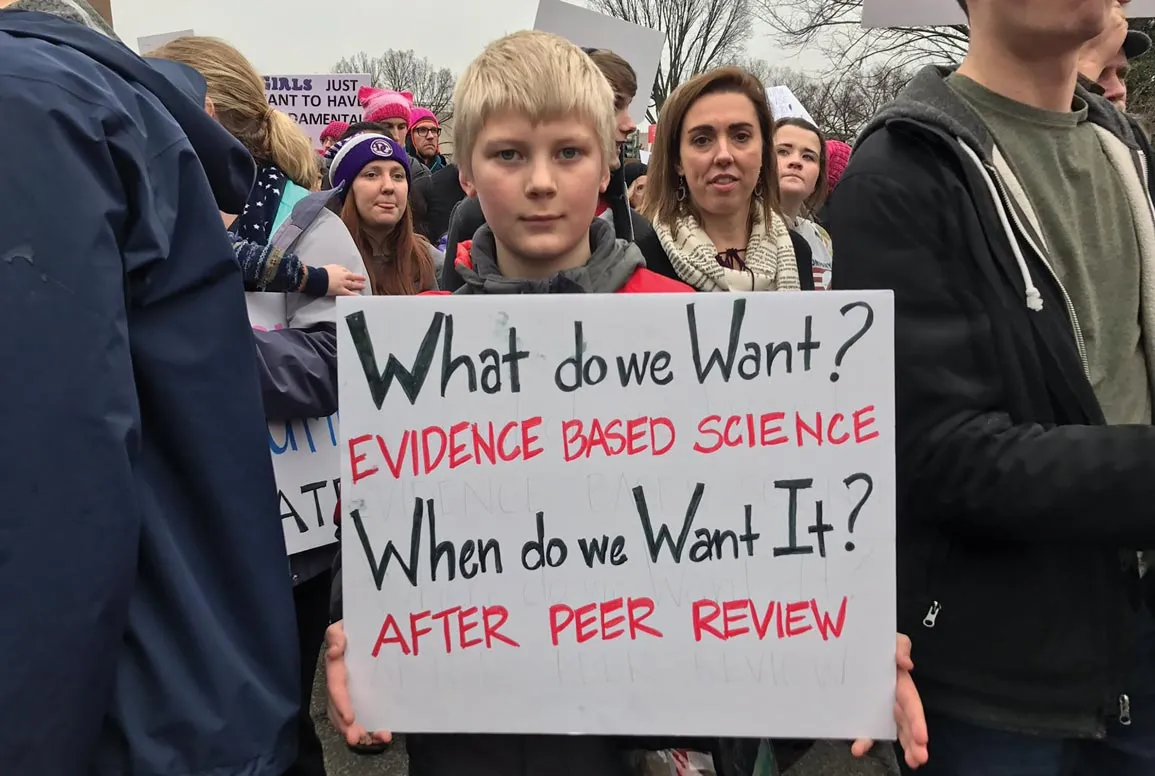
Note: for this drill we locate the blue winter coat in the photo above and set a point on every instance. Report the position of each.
(147, 612)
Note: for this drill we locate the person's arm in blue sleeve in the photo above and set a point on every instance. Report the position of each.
(298, 370)
(267, 269)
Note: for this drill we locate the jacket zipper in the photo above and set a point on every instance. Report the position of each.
(1076, 329)
(1123, 701)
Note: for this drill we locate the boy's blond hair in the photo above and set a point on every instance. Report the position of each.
(538, 75)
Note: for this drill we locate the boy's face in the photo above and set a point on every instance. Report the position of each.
(396, 129)
(538, 186)
(625, 126)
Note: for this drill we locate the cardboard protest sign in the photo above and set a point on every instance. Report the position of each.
(640, 46)
(652, 514)
(306, 458)
(783, 104)
(146, 44)
(923, 13)
(315, 101)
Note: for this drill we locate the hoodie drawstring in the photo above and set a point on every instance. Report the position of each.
(1033, 298)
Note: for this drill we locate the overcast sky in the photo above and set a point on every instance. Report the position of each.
(309, 36)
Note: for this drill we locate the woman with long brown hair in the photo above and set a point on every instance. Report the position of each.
(373, 175)
(712, 191)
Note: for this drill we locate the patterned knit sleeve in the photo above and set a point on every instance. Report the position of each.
(267, 269)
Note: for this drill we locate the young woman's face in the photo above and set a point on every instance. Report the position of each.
(721, 153)
(799, 162)
(381, 193)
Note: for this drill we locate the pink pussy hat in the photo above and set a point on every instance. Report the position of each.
(385, 104)
(417, 115)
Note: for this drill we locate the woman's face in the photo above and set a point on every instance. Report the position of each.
(381, 193)
(799, 162)
(721, 153)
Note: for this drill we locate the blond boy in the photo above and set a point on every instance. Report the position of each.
(535, 136)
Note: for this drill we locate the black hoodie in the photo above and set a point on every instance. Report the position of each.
(1018, 510)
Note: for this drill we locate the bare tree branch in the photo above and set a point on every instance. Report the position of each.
(834, 27)
(700, 35)
(432, 87)
(839, 106)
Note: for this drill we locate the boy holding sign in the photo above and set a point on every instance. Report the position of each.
(535, 136)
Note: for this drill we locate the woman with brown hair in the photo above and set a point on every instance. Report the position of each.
(372, 174)
(803, 188)
(712, 191)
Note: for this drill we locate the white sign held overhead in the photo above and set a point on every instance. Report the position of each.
(929, 13)
(305, 455)
(640, 46)
(783, 104)
(623, 515)
(146, 44)
(315, 101)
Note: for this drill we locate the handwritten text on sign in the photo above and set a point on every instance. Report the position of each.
(653, 514)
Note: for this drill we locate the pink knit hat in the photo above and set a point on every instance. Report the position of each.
(385, 104)
(334, 130)
(417, 115)
(837, 157)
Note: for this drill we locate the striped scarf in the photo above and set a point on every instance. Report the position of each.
(770, 264)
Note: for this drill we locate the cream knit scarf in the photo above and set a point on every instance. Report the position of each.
(769, 257)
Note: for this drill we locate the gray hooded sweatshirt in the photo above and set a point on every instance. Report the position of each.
(612, 263)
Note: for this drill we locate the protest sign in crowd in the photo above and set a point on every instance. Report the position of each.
(587, 522)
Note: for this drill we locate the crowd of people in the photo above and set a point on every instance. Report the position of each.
(157, 627)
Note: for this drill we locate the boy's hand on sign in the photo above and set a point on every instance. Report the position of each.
(908, 712)
(343, 282)
(340, 704)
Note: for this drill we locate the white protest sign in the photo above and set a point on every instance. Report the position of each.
(783, 104)
(640, 46)
(315, 101)
(146, 44)
(666, 514)
(929, 13)
(306, 459)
